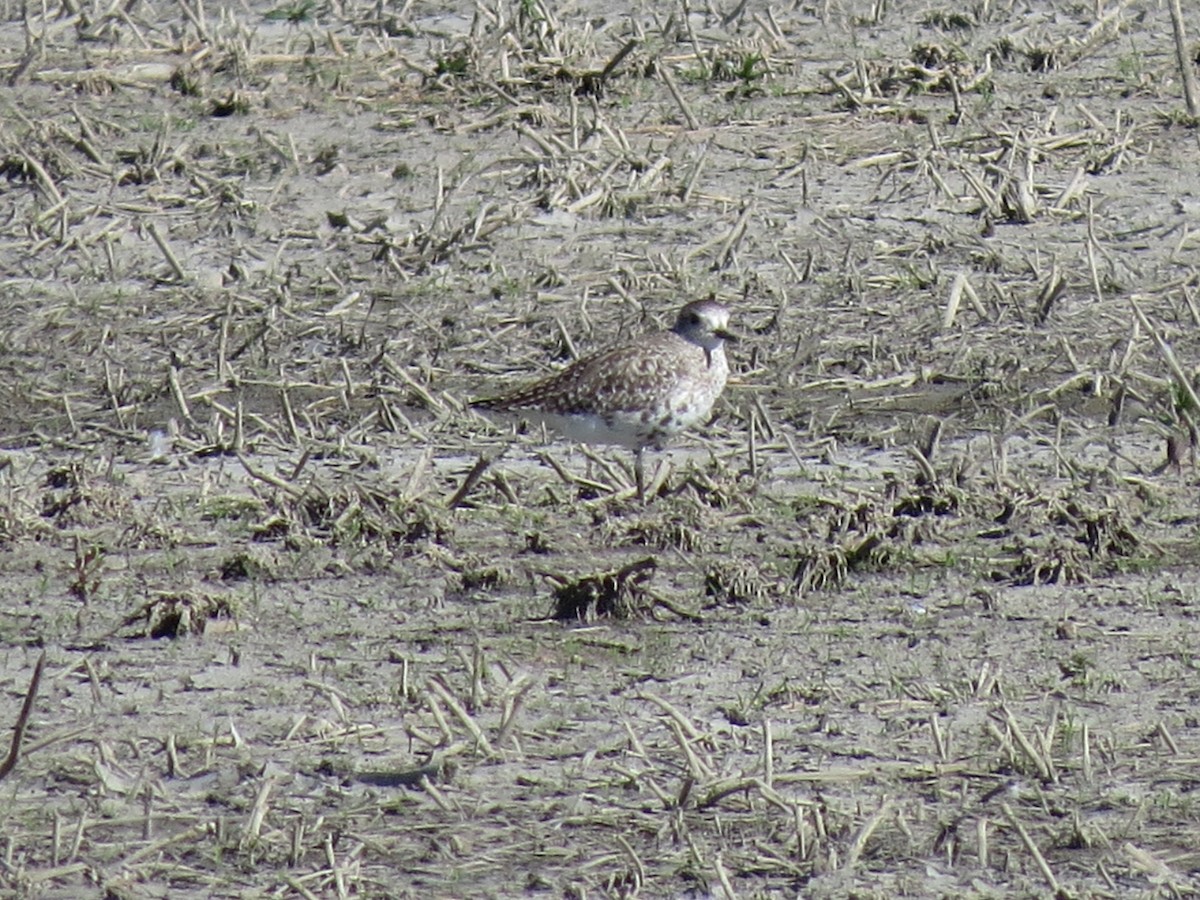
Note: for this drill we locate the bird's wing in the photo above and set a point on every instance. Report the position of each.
(621, 379)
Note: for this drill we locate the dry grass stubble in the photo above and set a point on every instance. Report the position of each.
(914, 616)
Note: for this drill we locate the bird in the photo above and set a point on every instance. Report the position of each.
(637, 394)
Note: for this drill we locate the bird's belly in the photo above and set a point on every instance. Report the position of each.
(685, 407)
(644, 420)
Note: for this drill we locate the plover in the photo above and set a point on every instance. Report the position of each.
(636, 394)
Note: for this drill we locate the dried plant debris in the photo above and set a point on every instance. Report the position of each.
(15, 521)
(1048, 561)
(843, 538)
(320, 226)
(441, 769)
(821, 567)
(1083, 541)
(1105, 532)
(740, 582)
(74, 497)
(929, 500)
(476, 577)
(249, 565)
(717, 488)
(172, 614)
(662, 529)
(355, 514)
(621, 593)
(832, 518)
(934, 68)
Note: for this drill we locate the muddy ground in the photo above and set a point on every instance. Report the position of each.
(920, 616)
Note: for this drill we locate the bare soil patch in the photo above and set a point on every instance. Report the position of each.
(915, 616)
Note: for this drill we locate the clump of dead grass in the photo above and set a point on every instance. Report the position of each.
(821, 567)
(1079, 540)
(174, 614)
(620, 593)
(663, 528)
(353, 513)
(740, 582)
(1048, 561)
(248, 565)
(19, 509)
(74, 497)
(476, 575)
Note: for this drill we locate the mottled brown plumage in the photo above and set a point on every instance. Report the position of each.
(637, 394)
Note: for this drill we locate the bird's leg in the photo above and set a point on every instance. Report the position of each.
(639, 473)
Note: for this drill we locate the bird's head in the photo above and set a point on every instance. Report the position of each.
(705, 323)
